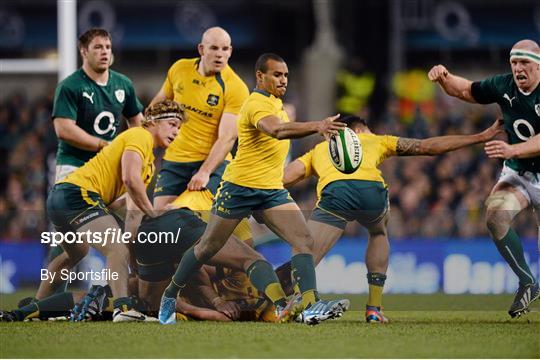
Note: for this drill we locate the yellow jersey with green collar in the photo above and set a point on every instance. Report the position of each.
(205, 99)
(260, 158)
(375, 149)
(103, 173)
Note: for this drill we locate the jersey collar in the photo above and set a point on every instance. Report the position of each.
(262, 92)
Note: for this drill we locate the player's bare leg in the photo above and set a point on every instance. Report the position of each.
(503, 204)
(117, 255)
(324, 238)
(287, 222)
(377, 254)
(73, 253)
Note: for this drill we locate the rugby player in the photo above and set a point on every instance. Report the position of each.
(87, 109)
(89, 104)
(224, 288)
(79, 203)
(363, 196)
(518, 95)
(253, 182)
(212, 95)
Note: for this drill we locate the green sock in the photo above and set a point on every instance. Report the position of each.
(188, 265)
(263, 277)
(376, 284)
(512, 251)
(53, 253)
(52, 306)
(303, 272)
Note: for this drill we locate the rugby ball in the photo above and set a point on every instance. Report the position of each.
(345, 151)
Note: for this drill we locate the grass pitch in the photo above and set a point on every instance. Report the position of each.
(449, 326)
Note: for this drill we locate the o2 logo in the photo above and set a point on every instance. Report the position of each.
(109, 125)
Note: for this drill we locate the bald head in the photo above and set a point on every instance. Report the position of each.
(525, 63)
(215, 34)
(215, 50)
(528, 45)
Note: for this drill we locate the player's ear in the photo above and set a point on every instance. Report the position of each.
(258, 76)
(200, 48)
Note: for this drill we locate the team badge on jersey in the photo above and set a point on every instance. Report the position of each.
(537, 109)
(120, 95)
(212, 100)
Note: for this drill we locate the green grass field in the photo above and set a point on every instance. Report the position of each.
(440, 326)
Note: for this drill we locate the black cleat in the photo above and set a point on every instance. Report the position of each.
(525, 295)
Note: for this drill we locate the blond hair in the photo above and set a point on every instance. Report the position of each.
(165, 109)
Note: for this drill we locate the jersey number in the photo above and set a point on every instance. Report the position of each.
(527, 125)
(109, 126)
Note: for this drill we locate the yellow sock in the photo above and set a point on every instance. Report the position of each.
(375, 295)
(308, 298)
(275, 292)
(110, 307)
(296, 289)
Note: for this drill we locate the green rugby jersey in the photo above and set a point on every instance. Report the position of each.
(521, 113)
(97, 109)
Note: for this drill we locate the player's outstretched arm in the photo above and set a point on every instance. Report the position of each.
(294, 172)
(132, 164)
(199, 313)
(443, 144)
(227, 134)
(497, 149)
(70, 132)
(452, 84)
(274, 127)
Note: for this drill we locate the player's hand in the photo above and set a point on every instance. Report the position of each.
(498, 149)
(198, 181)
(229, 308)
(438, 73)
(495, 129)
(329, 126)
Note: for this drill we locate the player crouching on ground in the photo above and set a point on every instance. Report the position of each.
(242, 285)
(80, 202)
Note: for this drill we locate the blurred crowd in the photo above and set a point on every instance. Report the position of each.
(429, 196)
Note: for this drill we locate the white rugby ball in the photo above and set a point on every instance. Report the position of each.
(345, 151)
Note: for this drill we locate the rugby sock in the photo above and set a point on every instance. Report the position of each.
(376, 284)
(303, 272)
(512, 251)
(53, 253)
(52, 306)
(263, 277)
(188, 265)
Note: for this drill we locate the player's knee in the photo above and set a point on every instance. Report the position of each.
(501, 206)
(498, 223)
